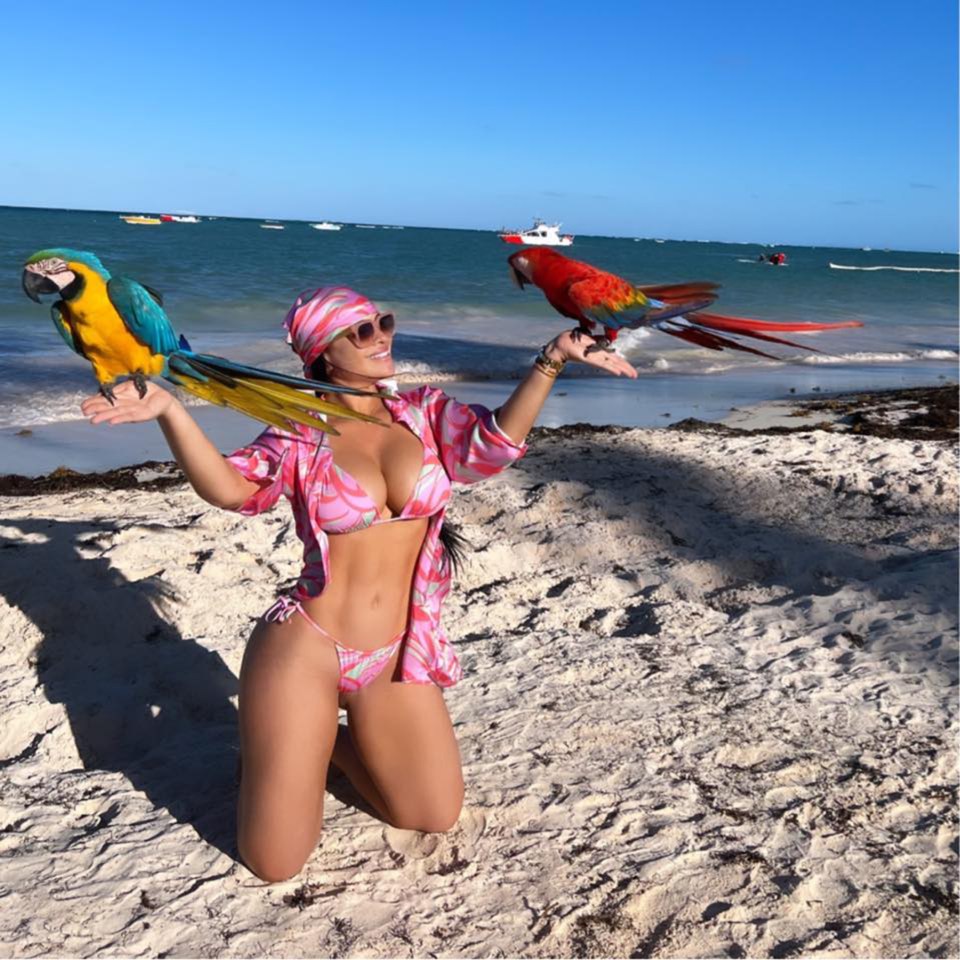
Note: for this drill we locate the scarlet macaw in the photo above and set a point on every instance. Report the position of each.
(592, 296)
(120, 326)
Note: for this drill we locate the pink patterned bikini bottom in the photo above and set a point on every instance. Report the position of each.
(358, 668)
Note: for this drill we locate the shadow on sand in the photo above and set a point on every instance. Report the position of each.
(141, 699)
(690, 513)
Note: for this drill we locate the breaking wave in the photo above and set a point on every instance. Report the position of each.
(844, 266)
(903, 356)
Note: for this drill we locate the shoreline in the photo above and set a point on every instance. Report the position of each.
(658, 401)
(918, 413)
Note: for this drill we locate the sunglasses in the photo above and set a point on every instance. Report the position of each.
(362, 334)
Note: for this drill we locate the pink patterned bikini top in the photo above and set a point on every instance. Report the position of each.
(463, 444)
(343, 506)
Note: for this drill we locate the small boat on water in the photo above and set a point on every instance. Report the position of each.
(365, 226)
(140, 219)
(179, 218)
(326, 225)
(271, 225)
(541, 234)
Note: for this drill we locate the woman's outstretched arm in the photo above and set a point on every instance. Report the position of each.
(214, 479)
(519, 413)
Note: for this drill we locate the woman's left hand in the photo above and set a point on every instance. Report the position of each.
(573, 344)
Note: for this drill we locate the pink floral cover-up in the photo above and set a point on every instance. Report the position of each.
(469, 444)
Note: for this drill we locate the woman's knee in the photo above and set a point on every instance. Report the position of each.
(270, 860)
(431, 818)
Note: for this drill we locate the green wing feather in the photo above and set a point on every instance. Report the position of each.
(63, 328)
(144, 317)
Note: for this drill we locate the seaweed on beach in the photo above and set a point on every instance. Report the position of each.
(921, 413)
(575, 431)
(917, 413)
(149, 475)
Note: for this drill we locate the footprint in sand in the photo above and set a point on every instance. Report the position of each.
(414, 845)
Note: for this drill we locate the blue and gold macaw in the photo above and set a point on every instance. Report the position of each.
(120, 326)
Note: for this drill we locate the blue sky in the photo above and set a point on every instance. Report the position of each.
(815, 123)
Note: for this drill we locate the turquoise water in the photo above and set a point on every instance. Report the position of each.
(227, 284)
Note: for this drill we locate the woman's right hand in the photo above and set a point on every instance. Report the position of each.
(128, 406)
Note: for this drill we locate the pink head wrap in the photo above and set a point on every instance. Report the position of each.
(317, 316)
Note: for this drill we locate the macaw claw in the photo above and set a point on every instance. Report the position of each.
(602, 344)
(106, 389)
(140, 383)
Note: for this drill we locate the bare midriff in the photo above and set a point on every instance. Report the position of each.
(366, 601)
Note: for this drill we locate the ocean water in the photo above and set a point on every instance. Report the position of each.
(227, 285)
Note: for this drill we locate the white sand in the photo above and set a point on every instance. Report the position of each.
(708, 711)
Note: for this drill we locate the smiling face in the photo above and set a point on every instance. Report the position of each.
(367, 360)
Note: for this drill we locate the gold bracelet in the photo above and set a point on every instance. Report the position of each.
(545, 370)
(548, 365)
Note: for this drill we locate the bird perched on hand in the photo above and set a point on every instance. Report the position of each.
(119, 325)
(591, 296)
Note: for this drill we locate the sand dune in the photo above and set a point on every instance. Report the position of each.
(709, 710)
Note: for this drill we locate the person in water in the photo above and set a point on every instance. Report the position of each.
(361, 629)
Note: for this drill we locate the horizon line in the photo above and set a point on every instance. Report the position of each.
(601, 236)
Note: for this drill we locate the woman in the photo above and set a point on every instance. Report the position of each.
(361, 629)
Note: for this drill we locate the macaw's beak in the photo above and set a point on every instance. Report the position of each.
(35, 284)
(517, 277)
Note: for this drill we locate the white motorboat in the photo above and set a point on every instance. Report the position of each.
(271, 225)
(326, 225)
(541, 234)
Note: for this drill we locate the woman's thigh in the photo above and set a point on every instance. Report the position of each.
(403, 735)
(288, 722)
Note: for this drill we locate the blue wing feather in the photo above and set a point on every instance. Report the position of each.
(144, 317)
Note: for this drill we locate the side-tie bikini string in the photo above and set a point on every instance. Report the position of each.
(286, 607)
(358, 668)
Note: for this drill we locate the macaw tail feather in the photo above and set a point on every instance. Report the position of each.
(708, 323)
(705, 338)
(743, 325)
(680, 292)
(261, 397)
(258, 373)
(705, 329)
